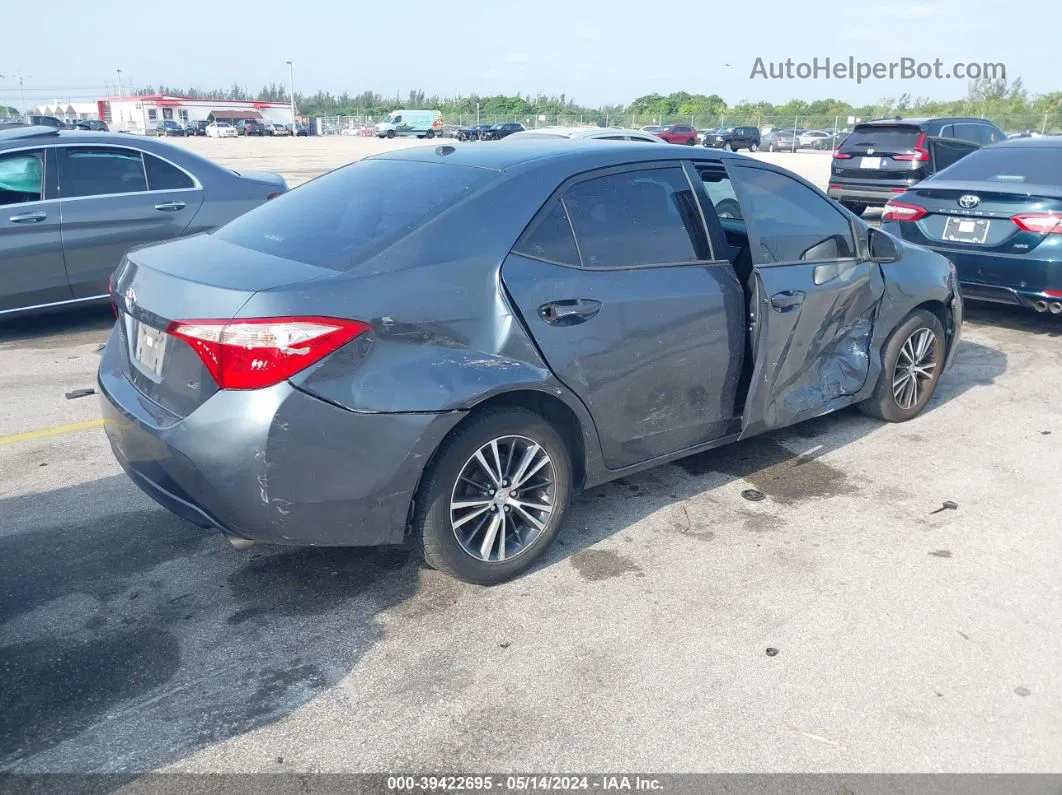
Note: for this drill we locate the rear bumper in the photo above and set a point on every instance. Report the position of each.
(872, 195)
(274, 465)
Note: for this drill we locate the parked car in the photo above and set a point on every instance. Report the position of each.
(650, 128)
(585, 134)
(198, 127)
(253, 127)
(301, 131)
(678, 134)
(734, 138)
(513, 346)
(881, 158)
(167, 128)
(220, 129)
(276, 128)
(997, 214)
(809, 138)
(62, 237)
(94, 125)
(406, 123)
(473, 133)
(780, 141)
(498, 131)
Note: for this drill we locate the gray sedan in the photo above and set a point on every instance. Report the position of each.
(72, 203)
(441, 345)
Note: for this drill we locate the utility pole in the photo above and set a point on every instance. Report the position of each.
(120, 83)
(291, 80)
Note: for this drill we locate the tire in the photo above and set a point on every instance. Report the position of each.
(728, 146)
(770, 147)
(433, 534)
(896, 397)
(753, 146)
(390, 133)
(691, 142)
(429, 134)
(856, 207)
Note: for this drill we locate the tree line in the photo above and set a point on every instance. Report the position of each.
(986, 97)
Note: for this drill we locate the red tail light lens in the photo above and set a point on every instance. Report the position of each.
(920, 153)
(839, 155)
(1040, 223)
(254, 353)
(901, 211)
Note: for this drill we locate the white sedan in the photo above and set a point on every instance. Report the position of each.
(586, 134)
(220, 129)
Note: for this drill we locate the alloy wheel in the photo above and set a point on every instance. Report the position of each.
(503, 499)
(915, 369)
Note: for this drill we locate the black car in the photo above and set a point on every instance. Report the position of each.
(300, 131)
(881, 158)
(166, 128)
(94, 125)
(473, 133)
(499, 131)
(251, 127)
(195, 127)
(733, 138)
(997, 214)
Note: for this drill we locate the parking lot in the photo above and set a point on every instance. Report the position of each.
(906, 637)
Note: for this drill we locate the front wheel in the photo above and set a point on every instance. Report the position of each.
(691, 142)
(390, 133)
(770, 147)
(729, 147)
(494, 498)
(753, 146)
(911, 367)
(429, 134)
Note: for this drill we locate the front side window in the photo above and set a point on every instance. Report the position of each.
(636, 218)
(793, 223)
(98, 171)
(21, 177)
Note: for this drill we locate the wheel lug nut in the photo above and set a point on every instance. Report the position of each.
(492, 492)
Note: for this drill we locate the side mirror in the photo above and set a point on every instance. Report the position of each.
(882, 246)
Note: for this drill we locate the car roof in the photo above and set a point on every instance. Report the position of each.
(916, 121)
(1042, 142)
(589, 154)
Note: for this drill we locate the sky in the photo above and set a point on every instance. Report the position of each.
(594, 51)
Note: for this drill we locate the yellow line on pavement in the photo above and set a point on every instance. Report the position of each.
(55, 430)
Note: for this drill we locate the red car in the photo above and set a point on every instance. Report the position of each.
(678, 134)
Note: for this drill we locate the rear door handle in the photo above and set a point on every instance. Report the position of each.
(787, 299)
(28, 218)
(170, 207)
(569, 312)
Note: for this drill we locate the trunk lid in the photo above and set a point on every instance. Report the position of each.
(195, 278)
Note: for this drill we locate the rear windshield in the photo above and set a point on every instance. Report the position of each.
(1011, 165)
(890, 139)
(349, 215)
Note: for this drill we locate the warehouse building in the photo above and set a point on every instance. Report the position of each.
(141, 113)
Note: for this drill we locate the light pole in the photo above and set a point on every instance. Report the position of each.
(291, 80)
(120, 83)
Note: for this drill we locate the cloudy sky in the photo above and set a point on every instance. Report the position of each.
(592, 50)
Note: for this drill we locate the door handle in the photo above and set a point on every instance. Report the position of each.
(569, 312)
(787, 299)
(170, 207)
(28, 218)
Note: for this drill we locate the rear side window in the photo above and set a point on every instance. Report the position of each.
(21, 177)
(163, 176)
(550, 238)
(341, 219)
(98, 171)
(884, 139)
(1009, 165)
(636, 218)
(791, 222)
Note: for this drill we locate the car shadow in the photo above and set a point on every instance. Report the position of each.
(1013, 317)
(129, 638)
(58, 329)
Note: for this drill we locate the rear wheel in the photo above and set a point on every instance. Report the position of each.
(912, 360)
(691, 142)
(856, 207)
(770, 147)
(494, 498)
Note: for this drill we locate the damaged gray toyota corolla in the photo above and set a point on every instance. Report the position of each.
(441, 345)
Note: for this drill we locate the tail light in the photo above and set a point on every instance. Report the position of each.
(254, 353)
(839, 155)
(110, 292)
(920, 151)
(273, 195)
(901, 211)
(1040, 223)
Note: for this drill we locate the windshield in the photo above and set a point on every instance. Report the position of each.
(350, 215)
(1008, 165)
(388, 119)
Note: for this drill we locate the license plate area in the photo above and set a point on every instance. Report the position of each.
(870, 162)
(966, 230)
(149, 349)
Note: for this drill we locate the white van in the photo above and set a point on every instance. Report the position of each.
(421, 123)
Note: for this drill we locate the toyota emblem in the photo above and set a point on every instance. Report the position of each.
(969, 201)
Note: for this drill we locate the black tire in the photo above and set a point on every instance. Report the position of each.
(856, 207)
(729, 147)
(753, 146)
(433, 533)
(691, 142)
(770, 147)
(884, 403)
(429, 134)
(390, 133)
